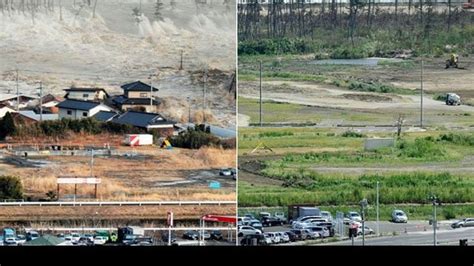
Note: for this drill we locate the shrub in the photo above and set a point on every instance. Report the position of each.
(195, 138)
(352, 134)
(275, 134)
(10, 187)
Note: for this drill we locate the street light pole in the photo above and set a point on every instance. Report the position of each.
(363, 204)
(435, 200)
(378, 226)
(421, 99)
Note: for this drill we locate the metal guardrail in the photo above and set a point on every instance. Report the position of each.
(117, 203)
(79, 229)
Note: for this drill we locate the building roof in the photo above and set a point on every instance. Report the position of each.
(142, 119)
(122, 100)
(137, 86)
(36, 117)
(78, 105)
(46, 240)
(11, 96)
(85, 89)
(104, 116)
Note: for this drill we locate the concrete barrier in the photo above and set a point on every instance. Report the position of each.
(376, 143)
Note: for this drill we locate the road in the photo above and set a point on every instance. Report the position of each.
(444, 237)
(115, 203)
(411, 233)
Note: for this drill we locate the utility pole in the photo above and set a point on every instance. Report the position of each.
(92, 161)
(260, 93)
(363, 204)
(205, 88)
(17, 93)
(189, 109)
(378, 226)
(181, 61)
(41, 100)
(435, 202)
(421, 100)
(151, 94)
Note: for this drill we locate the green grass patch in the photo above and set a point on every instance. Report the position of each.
(308, 187)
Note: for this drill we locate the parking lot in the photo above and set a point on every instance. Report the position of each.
(314, 230)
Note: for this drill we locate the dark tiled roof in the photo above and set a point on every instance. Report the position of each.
(141, 119)
(137, 86)
(78, 105)
(105, 116)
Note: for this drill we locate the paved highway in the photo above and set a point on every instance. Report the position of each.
(444, 237)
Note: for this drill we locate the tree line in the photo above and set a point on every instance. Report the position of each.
(356, 18)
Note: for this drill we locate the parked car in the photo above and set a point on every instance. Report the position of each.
(85, 241)
(467, 222)
(284, 237)
(268, 239)
(257, 225)
(206, 235)
(250, 216)
(264, 214)
(100, 240)
(20, 239)
(216, 235)
(10, 241)
(90, 237)
(367, 230)
(75, 237)
(165, 237)
(311, 234)
(304, 218)
(354, 216)
(248, 230)
(321, 230)
(225, 172)
(326, 215)
(32, 235)
(300, 234)
(191, 234)
(250, 240)
(329, 226)
(275, 237)
(398, 216)
(271, 221)
(281, 216)
(292, 236)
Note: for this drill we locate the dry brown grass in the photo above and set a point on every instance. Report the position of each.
(132, 179)
(50, 213)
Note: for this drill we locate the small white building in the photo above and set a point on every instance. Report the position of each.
(86, 94)
(74, 109)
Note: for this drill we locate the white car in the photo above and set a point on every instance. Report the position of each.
(20, 239)
(248, 230)
(100, 240)
(354, 216)
(275, 237)
(321, 230)
(284, 237)
(75, 237)
(399, 216)
(268, 239)
(367, 230)
(225, 172)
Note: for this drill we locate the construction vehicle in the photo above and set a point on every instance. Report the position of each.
(452, 61)
(453, 99)
(468, 5)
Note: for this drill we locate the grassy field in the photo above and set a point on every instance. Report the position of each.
(294, 176)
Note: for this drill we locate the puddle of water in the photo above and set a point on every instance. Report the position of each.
(373, 61)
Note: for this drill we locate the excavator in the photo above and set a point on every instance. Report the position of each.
(452, 61)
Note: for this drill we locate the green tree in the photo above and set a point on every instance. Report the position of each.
(10, 187)
(7, 126)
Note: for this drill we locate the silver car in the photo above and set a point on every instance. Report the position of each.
(399, 216)
(463, 223)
